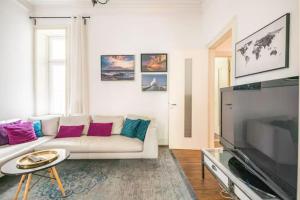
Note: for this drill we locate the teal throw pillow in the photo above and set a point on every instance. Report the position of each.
(130, 128)
(37, 126)
(142, 129)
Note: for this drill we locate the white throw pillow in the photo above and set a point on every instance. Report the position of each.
(116, 120)
(76, 121)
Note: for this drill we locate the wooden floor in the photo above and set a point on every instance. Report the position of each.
(190, 162)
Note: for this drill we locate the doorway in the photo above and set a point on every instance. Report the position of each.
(222, 80)
(220, 76)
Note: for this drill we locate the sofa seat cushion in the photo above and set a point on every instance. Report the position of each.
(8, 152)
(95, 144)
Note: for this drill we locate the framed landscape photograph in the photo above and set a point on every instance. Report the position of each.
(154, 62)
(264, 50)
(117, 67)
(154, 82)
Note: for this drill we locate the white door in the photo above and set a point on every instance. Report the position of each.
(188, 94)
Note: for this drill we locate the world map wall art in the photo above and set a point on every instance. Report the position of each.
(264, 50)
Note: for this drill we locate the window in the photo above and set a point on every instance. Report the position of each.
(57, 74)
(50, 71)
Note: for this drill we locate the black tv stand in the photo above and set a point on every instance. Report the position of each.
(234, 176)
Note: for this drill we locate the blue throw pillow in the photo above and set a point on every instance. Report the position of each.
(142, 129)
(37, 126)
(130, 128)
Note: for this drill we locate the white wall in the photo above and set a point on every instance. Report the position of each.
(132, 31)
(16, 70)
(251, 16)
(135, 30)
(133, 34)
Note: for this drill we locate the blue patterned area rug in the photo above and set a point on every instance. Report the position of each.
(160, 179)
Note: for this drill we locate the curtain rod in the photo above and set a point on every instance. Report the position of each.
(85, 17)
(35, 18)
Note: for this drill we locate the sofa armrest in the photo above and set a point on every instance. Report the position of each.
(151, 143)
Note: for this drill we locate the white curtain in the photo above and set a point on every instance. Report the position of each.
(77, 101)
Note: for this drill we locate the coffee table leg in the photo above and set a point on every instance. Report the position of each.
(19, 186)
(58, 181)
(27, 187)
(51, 176)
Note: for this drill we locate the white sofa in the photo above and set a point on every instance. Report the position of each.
(88, 147)
(94, 147)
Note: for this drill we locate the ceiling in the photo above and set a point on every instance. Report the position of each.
(43, 2)
(181, 3)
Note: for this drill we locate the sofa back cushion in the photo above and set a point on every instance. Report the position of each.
(49, 124)
(116, 120)
(20, 133)
(76, 121)
(70, 131)
(100, 129)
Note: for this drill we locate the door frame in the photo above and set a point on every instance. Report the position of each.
(227, 32)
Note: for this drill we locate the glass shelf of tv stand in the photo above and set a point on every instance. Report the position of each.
(223, 156)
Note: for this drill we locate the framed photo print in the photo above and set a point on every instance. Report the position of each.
(265, 50)
(117, 67)
(154, 62)
(154, 82)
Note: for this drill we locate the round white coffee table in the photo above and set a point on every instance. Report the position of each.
(10, 168)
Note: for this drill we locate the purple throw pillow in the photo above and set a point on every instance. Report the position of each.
(20, 133)
(70, 131)
(100, 129)
(3, 132)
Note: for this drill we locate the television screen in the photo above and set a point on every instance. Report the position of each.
(261, 121)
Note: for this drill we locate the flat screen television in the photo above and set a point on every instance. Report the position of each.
(259, 122)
